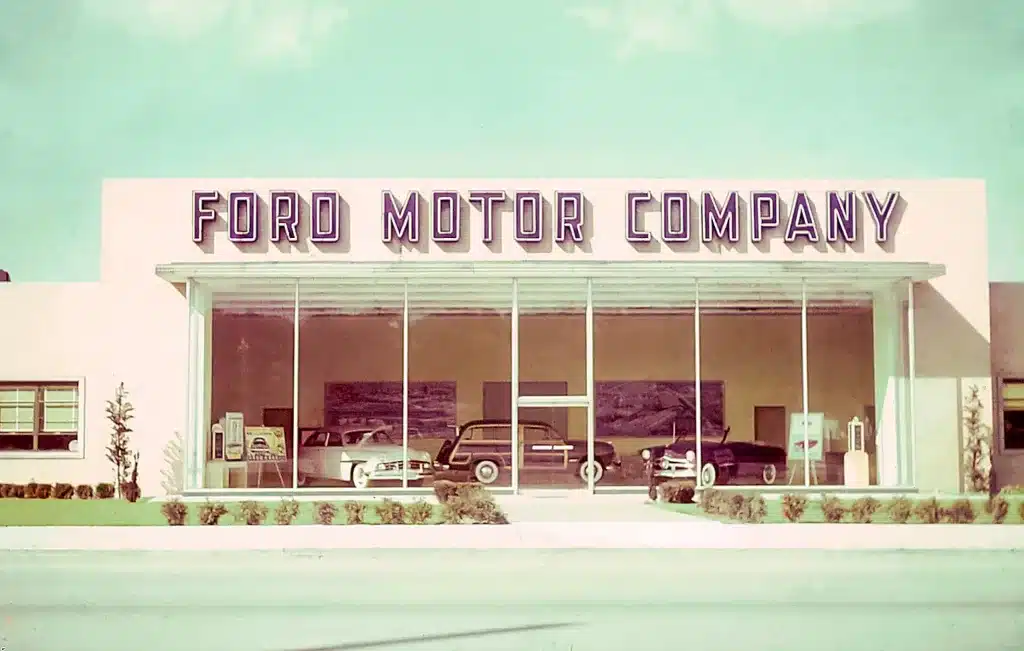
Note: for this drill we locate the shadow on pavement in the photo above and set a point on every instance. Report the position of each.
(381, 644)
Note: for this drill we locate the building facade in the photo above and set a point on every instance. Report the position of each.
(258, 324)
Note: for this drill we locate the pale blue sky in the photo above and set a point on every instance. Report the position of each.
(332, 88)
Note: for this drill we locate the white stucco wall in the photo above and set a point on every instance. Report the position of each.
(132, 326)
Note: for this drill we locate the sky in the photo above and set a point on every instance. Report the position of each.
(94, 89)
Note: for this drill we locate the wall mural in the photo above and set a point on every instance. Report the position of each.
(639, 408)
(432, 406)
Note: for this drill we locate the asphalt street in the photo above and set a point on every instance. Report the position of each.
(529, 600)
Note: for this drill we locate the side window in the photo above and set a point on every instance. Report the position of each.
(336, 440)
(315, 440)
(537, 434)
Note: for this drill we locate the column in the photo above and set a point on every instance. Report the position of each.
(200, 368)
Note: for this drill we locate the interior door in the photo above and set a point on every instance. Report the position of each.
(770, 425)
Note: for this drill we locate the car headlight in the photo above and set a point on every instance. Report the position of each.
(690, 456)
(380, 466)
(645, 455)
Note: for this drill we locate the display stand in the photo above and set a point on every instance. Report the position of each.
(260, 463)
(795, 452)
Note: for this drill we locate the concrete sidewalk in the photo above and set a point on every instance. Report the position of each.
(522, 535)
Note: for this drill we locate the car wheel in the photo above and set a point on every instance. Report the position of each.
(708, 474)
(486, 471)
(587, 468)
(360, 478)
(769, 473)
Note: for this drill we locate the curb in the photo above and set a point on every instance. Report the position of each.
(522, 535)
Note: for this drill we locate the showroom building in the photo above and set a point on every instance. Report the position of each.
(372, 334)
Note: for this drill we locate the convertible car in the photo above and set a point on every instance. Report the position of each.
(483, 448)
(723, 460)
(359, 456)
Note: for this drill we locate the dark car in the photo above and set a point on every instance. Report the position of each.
(748, 459)
(483, 448)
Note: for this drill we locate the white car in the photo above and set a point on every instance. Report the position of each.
(359, 456)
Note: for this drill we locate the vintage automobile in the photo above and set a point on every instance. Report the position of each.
(717, 463)
(749, 459)
(359, 456)
(483, 448)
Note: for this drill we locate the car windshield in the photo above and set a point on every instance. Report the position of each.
(376, 437)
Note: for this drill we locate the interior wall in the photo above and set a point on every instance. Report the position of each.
(757, 356)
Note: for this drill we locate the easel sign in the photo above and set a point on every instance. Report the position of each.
(815, 443)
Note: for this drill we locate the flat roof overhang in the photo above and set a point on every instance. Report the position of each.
(343, 286)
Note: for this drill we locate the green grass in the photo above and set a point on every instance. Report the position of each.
(118, 513)
(814, 515)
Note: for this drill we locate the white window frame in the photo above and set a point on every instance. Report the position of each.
(39, 385)
(999, 429)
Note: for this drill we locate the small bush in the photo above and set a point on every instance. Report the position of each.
(11, 490)
(1016, 489)
(711, 501)
(794, 507)
(863, 509)
(444, 490)
(104, 491)
(130, 491)
(900, 509)
(419, 512)
(324, 512)
(252, 512)
(928, 511)
(63, 491)
(736, 505)
(998, 507)
(174, 511)
(210, 513)
(84, 492)
(18, 491)
(754, 510)
(390, 512)
(43, 491)
(30, 490)
(355, 512)
(286, 512)
(832, 508)
(674, 492)
(961, 511)
(472, 504)
(1020, 511)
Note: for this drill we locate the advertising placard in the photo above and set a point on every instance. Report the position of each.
(815, 436)
(265, 444)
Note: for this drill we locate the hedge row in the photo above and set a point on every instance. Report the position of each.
(35, 491)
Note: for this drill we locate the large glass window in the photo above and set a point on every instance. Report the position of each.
(459, 388)
(248, 443)
(1013, 415)
(350, 384)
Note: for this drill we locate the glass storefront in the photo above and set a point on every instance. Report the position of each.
(540, 381)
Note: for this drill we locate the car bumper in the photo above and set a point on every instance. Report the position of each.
(396, 474)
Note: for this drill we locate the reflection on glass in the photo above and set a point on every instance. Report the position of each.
(350, 386)
(459, 368)
(252, 361)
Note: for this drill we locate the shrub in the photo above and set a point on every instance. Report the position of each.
(390, 512)
(472, 504)
(928, 511)
(84, 492)
(130, 491)
(445, 490)
(1015, 489)
(794, 507)
(104, 491)
(832, 508)
(754, 509)
(998, 507)
(324, 512)
(43, 491)
(419, 512)
(863, 509)
(63, 491)
(11, 490)
(30, 490)
(675, 492)
(286, 512)
(355, 512)
(961, 511)
(252, 512)
(17, 490)
(900, 509)
(174, 511)
(711, 501)
(210, 513)
(736, 505)
(1020, 510)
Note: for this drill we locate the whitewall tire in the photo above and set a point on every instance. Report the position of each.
(360, 478)
(588, 467)
(769, 473)
(708, 474)
(486, 472)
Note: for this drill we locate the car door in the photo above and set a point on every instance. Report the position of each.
(541, 448)
(311, 455)
(334, 458)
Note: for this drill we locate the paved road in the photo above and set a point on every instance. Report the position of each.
(511, 600)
